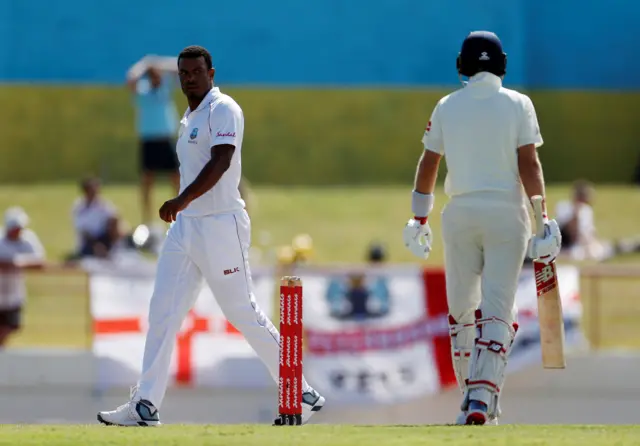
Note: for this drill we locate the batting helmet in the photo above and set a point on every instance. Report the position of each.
(481, 51)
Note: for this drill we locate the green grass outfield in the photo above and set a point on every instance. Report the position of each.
(342, 222)
(321, 435)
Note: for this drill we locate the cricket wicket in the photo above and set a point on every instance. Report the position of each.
(290, 376)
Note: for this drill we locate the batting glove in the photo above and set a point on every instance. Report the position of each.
(547, 248)
(417, 237)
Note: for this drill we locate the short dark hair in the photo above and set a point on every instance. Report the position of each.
(195, 51)
(89, 180)
(376, 253)
(582, 187)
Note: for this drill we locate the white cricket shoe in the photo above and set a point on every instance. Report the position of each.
(312, 402)
(132, 413)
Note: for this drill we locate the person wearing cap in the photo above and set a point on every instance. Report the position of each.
(20, 249)
(489, 136)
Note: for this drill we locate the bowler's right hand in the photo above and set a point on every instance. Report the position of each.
(169, 210)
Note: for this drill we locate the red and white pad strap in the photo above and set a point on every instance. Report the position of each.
(462, 341)
(489, 361)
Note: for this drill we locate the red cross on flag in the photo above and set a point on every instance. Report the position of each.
(208, 349)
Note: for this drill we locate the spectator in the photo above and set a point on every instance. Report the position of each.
(376, 254)
(20, 249)
(577, 225)
(96, 222)
(152, 80)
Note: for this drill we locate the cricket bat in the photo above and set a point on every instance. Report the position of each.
(549, 303)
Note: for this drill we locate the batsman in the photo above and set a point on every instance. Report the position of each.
(489, 136)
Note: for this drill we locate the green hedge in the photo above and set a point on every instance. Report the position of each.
(310, 137)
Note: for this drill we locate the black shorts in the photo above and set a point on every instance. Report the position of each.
(158, 155)
(11, 318)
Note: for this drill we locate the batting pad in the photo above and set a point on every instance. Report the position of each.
(489, 361)
(462, 340)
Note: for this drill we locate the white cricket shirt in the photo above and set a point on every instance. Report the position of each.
(478, 129)
(13, 290)
(217, 120)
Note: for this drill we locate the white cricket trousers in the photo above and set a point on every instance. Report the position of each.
(197, 249)
(485, 237)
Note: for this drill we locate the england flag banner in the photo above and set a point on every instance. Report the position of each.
(376, 336)
(373, 335)
(380, 336)
(208, 350)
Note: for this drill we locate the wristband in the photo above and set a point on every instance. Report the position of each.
(421, 204)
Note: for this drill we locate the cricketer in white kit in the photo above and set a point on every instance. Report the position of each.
(489, 136)
(208, 240)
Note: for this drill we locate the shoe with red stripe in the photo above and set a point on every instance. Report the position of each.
(477, 413)
(462, 420)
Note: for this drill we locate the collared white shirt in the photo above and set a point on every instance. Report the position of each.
(92, 218)
(13, 290)
(478, 129)
(217, 120)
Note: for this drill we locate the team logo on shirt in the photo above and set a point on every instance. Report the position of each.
(194, 133)
(428, 127)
